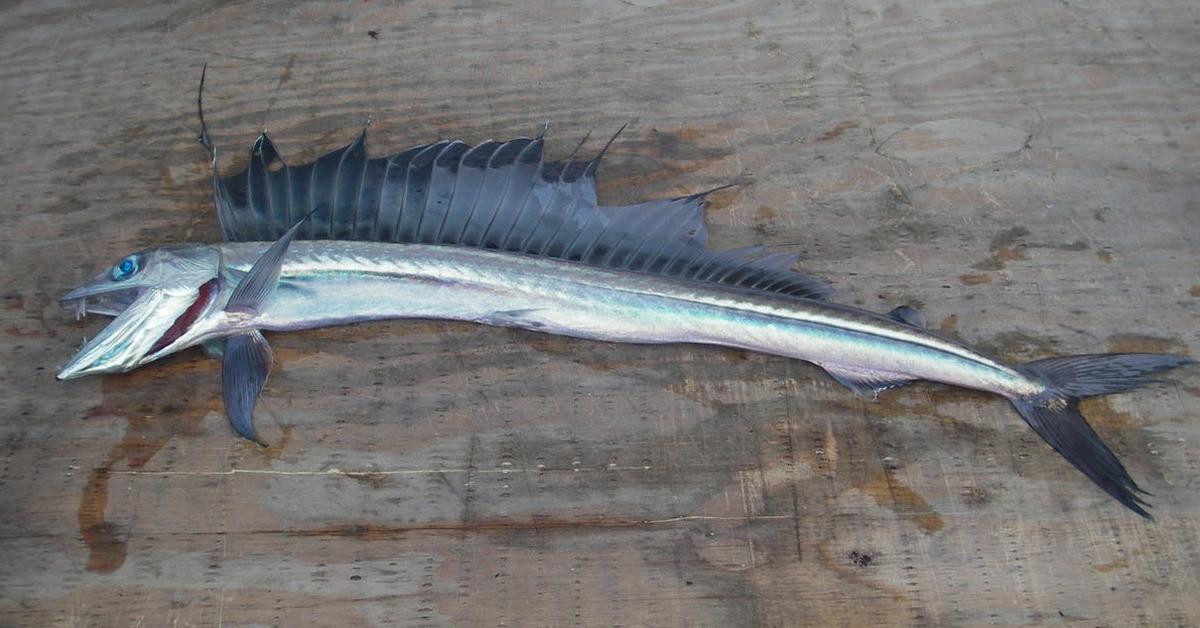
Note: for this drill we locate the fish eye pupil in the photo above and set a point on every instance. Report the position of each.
(124, 269)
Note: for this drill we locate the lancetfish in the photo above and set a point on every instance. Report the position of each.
(494, 234)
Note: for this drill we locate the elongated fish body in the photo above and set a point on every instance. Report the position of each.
(327, 283)
(493, 234)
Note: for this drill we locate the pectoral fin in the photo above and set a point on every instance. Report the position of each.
(263, 276)
(244, 370)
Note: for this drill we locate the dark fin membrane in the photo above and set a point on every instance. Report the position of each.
(495, 195)
(245, 366)
(1055, 415)
(1103, 374)
(909, 315)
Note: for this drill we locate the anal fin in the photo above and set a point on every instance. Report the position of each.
(866, 382)
(523, 318)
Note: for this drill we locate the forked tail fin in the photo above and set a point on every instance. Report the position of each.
(1055, 414)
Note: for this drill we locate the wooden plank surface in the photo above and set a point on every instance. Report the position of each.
(1026, 172)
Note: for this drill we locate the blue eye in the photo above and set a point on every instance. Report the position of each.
(125, 268)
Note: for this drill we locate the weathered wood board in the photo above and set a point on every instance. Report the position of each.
(1024, 171)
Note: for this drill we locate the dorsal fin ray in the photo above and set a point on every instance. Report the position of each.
(497, 195)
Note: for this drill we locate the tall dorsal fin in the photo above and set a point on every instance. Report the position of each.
(496, 195)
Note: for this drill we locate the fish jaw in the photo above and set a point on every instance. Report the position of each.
(123, 344)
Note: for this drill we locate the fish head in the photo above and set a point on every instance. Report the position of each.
(155, 296)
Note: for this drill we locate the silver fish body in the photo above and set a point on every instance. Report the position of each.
(326, 283)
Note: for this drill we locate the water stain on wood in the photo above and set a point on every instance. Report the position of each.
(1004, 248)
(274, 450)
(1010, 246)
(975, 279)
(1101, 414)
(1018, 346)
(106, 547)
(949, 326)
(661, 160)
(766, 214)
(764, 220)
(925, 401)
(999, 258)
(17, 332)
(1142, 343)
(159, 403)
(837, 131)
(890, 493)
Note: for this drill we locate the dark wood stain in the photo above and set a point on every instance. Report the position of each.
(158, 403)
(889, 493)
(1143, 343)
(949, 326)
(836, 131)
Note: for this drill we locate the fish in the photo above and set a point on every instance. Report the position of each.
(492, 233)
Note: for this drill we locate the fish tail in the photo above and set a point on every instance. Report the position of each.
(1054, 413)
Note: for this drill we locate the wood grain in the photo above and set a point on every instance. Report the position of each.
(1025, 172)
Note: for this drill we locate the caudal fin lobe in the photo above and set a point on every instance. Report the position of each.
(1055, 413)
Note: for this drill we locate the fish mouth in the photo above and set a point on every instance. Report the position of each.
(123, 342)
(154, 308)
(103, 300)
(150, 323)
